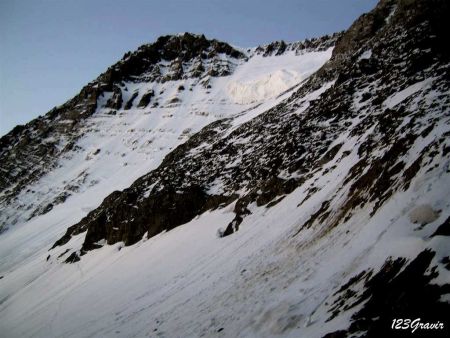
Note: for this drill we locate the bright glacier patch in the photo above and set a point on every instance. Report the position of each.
(266, 87)
(262, 78)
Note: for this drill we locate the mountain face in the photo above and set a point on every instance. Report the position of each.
(199, 189)
(139, 110)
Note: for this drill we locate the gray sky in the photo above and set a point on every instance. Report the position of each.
(49, 49)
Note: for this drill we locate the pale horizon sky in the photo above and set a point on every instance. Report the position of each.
(50, 49)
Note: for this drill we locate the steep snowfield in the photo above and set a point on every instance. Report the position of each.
(264, 79)
(114, 150)
(263, 88)
(266, 281)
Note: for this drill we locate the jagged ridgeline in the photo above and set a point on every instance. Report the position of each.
(349, 157)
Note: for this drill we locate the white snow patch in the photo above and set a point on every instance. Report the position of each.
(266, 87)
(402, 95)
(366, 55)
(262, 78)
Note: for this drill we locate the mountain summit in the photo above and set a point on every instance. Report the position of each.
(198, 189)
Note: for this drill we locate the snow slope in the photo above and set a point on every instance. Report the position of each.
(340, 181)
(265, 79)
(265, 282)
(115, 150)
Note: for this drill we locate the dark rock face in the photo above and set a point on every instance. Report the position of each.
(405, 13)
(115, 102)
(176, 49)
(163, 211)
(146, 98)
(314, 44)
(364, 28)
(133, 216)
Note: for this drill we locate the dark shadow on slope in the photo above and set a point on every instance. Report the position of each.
(397, 292)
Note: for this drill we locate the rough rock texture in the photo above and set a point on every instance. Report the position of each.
(280, 47)
(146, 98)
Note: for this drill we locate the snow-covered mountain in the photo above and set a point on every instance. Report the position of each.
(196, 189)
